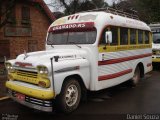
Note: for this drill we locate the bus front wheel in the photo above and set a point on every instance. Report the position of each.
(70, 96)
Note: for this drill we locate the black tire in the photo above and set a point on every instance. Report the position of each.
(136, 77)
(70, 96)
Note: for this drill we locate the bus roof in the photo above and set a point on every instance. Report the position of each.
(102, 19)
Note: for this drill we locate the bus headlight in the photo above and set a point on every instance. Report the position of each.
(43, 76)
(9, 67)
(42, 71)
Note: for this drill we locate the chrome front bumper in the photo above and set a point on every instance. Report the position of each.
(42, 105)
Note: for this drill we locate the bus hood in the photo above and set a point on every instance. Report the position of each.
(44, 57)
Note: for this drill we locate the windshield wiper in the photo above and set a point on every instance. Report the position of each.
(52, 46)
(50, 43)
(75, 44)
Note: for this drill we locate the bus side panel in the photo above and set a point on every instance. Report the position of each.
(117, 67)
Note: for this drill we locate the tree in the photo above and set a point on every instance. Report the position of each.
(73, 6)
(76, 6)
(147, 10)
(100, 3)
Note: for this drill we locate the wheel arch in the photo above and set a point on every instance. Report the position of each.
(80, 81)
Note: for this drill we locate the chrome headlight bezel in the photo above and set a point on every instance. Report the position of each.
(9, 67)
(42, 70)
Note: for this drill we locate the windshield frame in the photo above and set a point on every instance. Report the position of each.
(71, 43)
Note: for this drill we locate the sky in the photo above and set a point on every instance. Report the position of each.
(55, 9)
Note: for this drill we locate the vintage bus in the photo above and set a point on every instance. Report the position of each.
(87, 51)
(155, 28)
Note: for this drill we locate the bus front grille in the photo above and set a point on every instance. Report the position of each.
(27, 74)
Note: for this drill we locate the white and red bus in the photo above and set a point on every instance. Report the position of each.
(91, 51)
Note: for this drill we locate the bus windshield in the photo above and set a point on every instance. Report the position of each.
(156, 37)
(85, 37)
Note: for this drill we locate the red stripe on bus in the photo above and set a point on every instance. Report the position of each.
(149, 64)
(119, 60)
(115, 75)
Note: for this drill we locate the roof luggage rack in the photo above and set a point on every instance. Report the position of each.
(116, 12)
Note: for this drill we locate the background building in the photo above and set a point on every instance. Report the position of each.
(23, 26)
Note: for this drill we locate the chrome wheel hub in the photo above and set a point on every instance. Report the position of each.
(71, 95)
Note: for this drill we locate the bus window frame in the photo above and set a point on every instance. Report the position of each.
(101, 33)
(129, 36)
(139, 30)
(148, 37)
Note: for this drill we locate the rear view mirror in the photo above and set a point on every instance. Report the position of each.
(108, 37)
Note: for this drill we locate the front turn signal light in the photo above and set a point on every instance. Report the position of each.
(44, 83)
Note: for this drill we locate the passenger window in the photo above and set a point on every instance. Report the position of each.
(146, 37)
(123, 36)
(114, 31)
(133, 36)
(140, 36)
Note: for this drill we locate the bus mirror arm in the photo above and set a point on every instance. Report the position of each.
(105, 47)
(52, 73)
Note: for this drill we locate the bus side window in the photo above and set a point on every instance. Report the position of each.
(146, 37)
(123, 36)
(114, 31)
(132, 36)
(140, 36)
